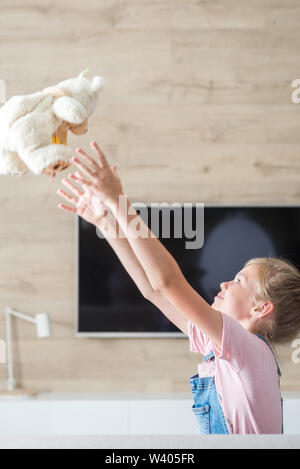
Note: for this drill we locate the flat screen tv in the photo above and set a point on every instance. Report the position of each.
(110, 305)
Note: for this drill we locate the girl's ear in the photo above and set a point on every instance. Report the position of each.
(262, 311)
(70, 110)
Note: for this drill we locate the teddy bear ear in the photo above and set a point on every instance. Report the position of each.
(98, 83)
(70, 110)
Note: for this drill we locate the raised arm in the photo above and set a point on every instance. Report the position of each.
(160, 267)
(89, 207)
(128, 259)
(165, 276)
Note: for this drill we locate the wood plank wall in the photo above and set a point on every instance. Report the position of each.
(197, 108)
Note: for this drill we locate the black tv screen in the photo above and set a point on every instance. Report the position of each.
(110, 305)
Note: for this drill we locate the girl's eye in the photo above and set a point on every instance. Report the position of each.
(237, 280)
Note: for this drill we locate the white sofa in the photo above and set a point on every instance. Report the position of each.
(164, 442)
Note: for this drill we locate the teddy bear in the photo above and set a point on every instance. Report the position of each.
(34, 127)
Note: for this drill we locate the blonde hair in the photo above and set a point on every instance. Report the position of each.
(278, 281)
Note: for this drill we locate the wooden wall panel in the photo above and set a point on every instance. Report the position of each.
(197, 108)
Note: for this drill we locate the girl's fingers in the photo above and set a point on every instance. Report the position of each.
(67, 208)
(88, 158)
(78, 175)
(83, 167)
(70, 198)
(81, 180)
(100, 154)
(71, 186)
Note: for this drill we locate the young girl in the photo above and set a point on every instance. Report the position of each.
(237, 387)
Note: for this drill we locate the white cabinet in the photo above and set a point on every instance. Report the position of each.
(98, 414)
(73, 417)
(113, 414)
(291, 415)
(161, 417)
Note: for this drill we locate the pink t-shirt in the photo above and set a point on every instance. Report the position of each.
(246, 378)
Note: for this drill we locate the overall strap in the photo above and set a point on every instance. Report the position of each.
(265, 340)
(210, 356)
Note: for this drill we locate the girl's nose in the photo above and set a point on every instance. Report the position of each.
(223, 285)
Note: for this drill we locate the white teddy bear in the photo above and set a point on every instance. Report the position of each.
(34, 127)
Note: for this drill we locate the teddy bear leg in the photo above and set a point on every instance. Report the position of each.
(50, 156)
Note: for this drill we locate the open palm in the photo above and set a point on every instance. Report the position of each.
(88, 205)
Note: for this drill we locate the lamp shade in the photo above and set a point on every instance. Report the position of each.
(43, 325)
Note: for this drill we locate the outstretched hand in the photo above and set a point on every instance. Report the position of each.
(87, 204)
(103, 179)
(103, 186)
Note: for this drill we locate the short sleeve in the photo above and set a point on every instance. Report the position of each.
(199, 342)
(235, 341)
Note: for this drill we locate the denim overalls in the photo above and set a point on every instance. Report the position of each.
(207, 409)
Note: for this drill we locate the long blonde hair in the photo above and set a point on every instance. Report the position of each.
(278, 281)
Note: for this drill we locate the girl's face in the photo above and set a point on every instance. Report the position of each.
(236, 297)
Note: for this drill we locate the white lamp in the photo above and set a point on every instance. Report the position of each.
(43, 329)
